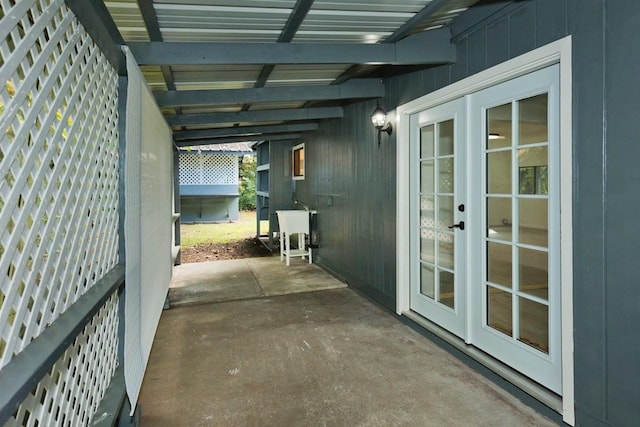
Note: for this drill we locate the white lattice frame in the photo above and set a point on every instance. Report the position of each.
(58, 196)
(78, 373)
(197, 168)
(59, 193)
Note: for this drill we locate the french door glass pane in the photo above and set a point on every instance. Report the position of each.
(533, 180)
(499, 264)
(427, 213)
(499, 218)
(447, 290)
(534, 272)
(499, 310)
(542, 180)
(445, 211)
(532, 166)
(499, 172)
(534, 324)
(533, 156)
(426, 142)
(445, 139)
(427, 245)
(533, 222)
(428, 281)
(445, 250)
(445, 175)
(499, 127)
(533, 125)
(426, 177)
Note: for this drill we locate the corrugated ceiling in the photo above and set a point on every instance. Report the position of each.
(263, 21)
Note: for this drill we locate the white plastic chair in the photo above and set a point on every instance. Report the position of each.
(293, 222)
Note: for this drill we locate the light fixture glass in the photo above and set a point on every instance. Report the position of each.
(495, 136)
(379, 117)
(379, 120)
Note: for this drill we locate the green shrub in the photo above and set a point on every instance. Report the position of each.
(248, 183)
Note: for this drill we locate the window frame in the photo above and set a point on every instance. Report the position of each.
(296, 174)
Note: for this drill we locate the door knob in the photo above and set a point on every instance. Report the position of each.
(459, 225)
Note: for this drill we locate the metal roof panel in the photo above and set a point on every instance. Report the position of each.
(219, 21)
(303, 75)
(128, 19)
(277, 105)
(215, 76)
(327, 21)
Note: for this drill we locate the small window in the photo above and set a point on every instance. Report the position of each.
(298, 161)
(534, 180)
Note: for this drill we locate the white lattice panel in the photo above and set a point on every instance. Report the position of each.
(189, 168)
(58, 167)
(219, 169)
(72, 390)
(208, 169)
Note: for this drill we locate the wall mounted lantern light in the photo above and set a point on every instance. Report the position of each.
(379, 120)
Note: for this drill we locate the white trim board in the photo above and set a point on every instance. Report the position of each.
(556, 52)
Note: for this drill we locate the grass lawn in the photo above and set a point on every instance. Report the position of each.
(197, 234)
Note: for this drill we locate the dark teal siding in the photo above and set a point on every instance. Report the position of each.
(358, 229)
(589, 211)
(351, 183)
(622, 203)
(498, 51)
(280, 183)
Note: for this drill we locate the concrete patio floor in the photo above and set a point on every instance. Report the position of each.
(326, 358)
(234, 279)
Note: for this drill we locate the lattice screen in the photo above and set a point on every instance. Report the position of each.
(208, 169)
(72, 390)
(58, 168)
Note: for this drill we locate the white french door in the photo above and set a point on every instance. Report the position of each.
(438, 215)
(488, 164)
(516, 239)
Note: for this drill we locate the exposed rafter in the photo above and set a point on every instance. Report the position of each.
(245, 131)
(226, 140)
(298, 14)
(355, 89)
(427, 12)
(256, 116)
(155, 35)
(440, 51)
(150, 19)
(97, 21)
(210, 56)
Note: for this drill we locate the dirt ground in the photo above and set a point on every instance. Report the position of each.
(246, 248)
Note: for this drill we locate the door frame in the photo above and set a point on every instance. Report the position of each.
(558, 52)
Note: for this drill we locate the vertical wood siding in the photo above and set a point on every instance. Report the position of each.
(358, 230)
(621, 305)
